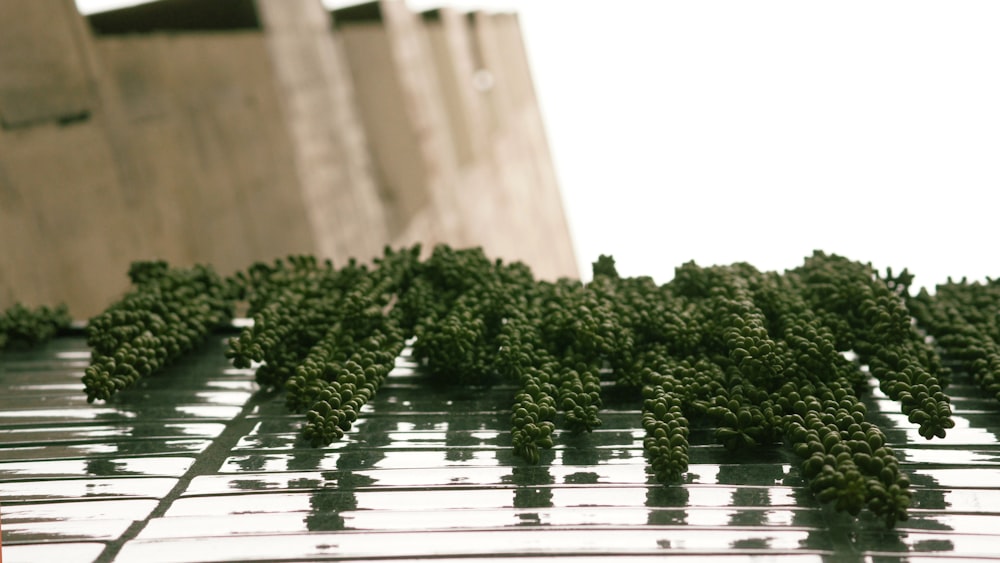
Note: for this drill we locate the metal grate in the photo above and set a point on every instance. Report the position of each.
(197, 465)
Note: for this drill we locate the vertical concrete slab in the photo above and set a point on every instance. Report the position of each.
(522, 195)
(43, 74)
(518, 76)
(454, 62)
(489, 62)
(334, 168)
(401, 108)
(259, 135)
(215, 159)
(400, 169)
(65, 208)
(517, 68)
(67, 234)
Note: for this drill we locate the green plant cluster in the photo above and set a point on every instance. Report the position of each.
(963, 318)
(23, 327)
(768, 366)
(167, 313)
(762, 358)
(328, 337)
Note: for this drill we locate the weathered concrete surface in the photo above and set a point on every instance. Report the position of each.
(507, 189)
(234, 145)
(45, 75)
(216, 171)
(456, 132)
(332, 159)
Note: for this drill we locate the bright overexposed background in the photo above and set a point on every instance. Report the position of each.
(725, 130)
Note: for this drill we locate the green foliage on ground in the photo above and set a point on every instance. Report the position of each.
(23, 327)
(761, 357)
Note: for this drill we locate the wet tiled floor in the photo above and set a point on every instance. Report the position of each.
(197, 465)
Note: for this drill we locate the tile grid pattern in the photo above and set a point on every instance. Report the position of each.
(196, 465)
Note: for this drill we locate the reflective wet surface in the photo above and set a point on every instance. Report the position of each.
(197, 465)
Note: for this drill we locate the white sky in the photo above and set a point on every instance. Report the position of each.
(727, 130)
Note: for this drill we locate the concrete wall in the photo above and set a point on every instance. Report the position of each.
(335, 172)
(504, 182)
(276, 134)
(215, 169)
(66, 203)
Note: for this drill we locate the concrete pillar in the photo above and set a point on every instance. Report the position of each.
(230, 131)
(45, 74)
(334, 168)
(401, 108)
(66, 210)
(527, 190)
(460, 86)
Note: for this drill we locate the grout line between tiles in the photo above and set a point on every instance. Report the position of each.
(208, 462)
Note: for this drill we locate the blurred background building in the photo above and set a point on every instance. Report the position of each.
(231, 131)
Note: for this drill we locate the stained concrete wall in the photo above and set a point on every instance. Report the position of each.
(504, 182)
(345, 210)
(66, 204)
(248, 142)
(46, 75)
(456, 92)
(215, 170)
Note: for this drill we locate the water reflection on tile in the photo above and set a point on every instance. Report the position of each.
(68, 552)
(240, 504)
(972, 500)
(952, 545)
(957, 478)
(234, 398)
(965, 523)
(350, 517)
(438, 498)
(153, 466)
(357, 460)
(146, 487)
(144, 430)
(208, 484)
(132, 509)
(81, 356)
(63, 530)
(41, 399)
(204, 411)
(611, 541)
(742, 474)
(424, 463)
(48, 389)
(729, 557)
(57, 414)
(417, 459)
(193, 526)
(594, 496)
(104, 448)
(949, 456)
(968, 431)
